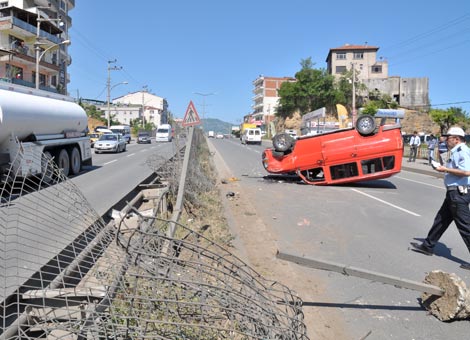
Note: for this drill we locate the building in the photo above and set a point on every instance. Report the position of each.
(265, 99)
(407, 92)
(138, 105)
(35, 36)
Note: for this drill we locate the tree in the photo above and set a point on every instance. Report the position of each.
(313, 89)
(447, 118)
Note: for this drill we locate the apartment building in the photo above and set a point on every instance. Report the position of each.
(138, 105)
(412, 93)
(34, 37)
(265, 99)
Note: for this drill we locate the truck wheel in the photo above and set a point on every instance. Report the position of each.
(365, 125)
(75, 161)
(283, 142)
(47, 167)
(63, 162)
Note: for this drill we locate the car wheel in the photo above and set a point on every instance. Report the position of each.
(124, 149)
(365, 125)
(63, 162)
(283, 142)
(75, 161)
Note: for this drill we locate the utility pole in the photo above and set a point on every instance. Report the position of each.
(204, 95)
(353, 93)
(108, 84)
(144, 89)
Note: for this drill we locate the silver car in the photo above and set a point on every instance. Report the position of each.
(110, 142)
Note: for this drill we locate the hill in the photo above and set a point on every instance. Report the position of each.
(216, 125)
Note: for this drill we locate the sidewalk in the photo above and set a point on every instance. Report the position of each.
(420, 166)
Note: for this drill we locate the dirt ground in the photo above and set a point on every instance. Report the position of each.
(256, 244)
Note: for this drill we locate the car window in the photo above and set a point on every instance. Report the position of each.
(108, 137)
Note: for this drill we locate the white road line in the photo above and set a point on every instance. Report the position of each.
(114, 160)
(132, 154)
(387, 203)
(430, 185)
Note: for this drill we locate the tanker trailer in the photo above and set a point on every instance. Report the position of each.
(42, 128)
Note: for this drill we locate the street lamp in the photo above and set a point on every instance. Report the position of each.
(204, 95)
(39, 56)
(109, 98)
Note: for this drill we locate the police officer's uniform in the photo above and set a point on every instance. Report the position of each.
(455, 206)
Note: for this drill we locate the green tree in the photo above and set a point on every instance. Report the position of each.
(449, 117)
(313, 89)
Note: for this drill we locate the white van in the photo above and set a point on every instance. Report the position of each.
(251, 136)
(164, 133)
(124, 130)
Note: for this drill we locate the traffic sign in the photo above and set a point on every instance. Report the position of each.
(191, 117)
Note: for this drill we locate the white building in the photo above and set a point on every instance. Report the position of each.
(136, 105)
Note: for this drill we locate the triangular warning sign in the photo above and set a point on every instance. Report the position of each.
(191, 117)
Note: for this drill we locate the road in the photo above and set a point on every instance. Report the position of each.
(367, 225)
(112, 176)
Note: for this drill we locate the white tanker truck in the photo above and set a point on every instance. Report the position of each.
(42, 128)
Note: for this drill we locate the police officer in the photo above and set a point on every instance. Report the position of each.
(455, 206)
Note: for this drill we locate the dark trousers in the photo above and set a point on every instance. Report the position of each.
(413, 151)
(453, 209)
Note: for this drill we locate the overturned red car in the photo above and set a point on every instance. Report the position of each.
(370, 150)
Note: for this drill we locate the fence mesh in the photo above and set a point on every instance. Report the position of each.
(67, 274)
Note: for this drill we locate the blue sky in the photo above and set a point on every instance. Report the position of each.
(178, 47)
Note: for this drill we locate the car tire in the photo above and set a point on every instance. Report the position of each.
(283, 142)
(75, 161)
(63, 162)
(365, 125)
(124, 148)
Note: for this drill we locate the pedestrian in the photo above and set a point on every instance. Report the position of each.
(415, 142)
(442, 148)
(455, 206)
(431, 142)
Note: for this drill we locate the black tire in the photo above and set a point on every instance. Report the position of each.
(365, 125)
(277, 154)
(124, 149)
(63, 162)
(75, 161)
(47, 167)
(283, 142)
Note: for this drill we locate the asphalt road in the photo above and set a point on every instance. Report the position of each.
(114, 175)
(367, 225)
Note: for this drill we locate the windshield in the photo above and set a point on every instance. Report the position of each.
(108, 137)
(143, 134)
(162, 131)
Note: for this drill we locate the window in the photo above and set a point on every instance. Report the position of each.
(341, 56)
(340, 69)
(4, 4)
(358, 55)
(54, 81)
(377, 69)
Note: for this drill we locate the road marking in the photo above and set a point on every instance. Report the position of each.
(419, 182)
(387, 203)
(114, 160)
(132, 154)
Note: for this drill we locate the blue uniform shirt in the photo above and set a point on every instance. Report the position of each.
(459, 159)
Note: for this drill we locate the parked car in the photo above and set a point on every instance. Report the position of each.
(110, 142)
(93, 138)
(251, 135)
(144, 137)
(367, 151)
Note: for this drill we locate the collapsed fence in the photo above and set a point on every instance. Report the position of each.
(66, 274)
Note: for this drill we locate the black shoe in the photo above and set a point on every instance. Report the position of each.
(419, 248)
(465, 266)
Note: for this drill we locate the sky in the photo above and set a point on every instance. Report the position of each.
(178, 48)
